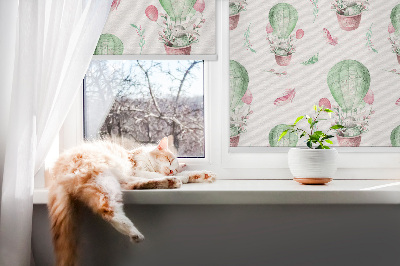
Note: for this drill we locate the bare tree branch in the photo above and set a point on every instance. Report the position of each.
(146, 72)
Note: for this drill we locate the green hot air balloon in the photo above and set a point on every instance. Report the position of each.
(178, 10)
(289, 140)
(395, 18)
(238, 82)
(109, 44)
(283, 18)
(395, 137)
(349, 82)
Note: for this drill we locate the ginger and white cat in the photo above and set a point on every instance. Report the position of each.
(94, 174)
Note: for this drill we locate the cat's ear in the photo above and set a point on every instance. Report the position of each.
(171, 146)
(163, 145)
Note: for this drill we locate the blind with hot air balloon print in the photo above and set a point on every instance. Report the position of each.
(288, 55)
(160, 27)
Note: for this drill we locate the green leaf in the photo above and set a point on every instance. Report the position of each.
(309, 144)
(337, 127)
(302, 134)
(309, 120)
(133, 25)
(327, 137)
(313, 123)
(329, 141)
(283, 134)
(298, 119)
(328, 110)
(314, 138)
(319, 133)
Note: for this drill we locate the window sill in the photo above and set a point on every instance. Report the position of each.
(264, 192)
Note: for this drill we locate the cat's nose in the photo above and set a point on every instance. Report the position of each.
(171, 172)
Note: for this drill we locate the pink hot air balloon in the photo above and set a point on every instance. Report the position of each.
(369, 97)
(325, 103)
(199, 6)
(391, 29)
(269, 29)
(247, 97)
(152, 13)
(299, 34)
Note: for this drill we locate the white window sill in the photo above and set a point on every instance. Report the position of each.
(264, 192)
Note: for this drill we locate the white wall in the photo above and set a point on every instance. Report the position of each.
(248, 235)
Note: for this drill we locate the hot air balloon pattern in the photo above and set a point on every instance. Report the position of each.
(240, 100)
(109, 44)
(394, 31)
(282, 21)
(235, 8)
(179, 25)
(289, 140)
(349, 83)
(324, 103)
(348, 13)
(395, 137)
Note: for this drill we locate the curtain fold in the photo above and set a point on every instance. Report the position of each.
(55, 43)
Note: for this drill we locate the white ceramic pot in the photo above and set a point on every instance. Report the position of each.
(309, 166)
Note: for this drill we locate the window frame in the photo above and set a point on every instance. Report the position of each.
(366, 163)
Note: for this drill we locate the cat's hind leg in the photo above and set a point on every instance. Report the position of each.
(164, 182)
(103, 195)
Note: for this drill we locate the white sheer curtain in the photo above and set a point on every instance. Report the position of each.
(55, 41)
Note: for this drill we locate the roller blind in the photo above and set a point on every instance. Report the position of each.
(157, 29)
(286, 56)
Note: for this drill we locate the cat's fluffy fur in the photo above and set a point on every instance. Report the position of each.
(94, 174)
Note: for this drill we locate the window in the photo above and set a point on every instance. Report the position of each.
(141, 101)
(212, 150)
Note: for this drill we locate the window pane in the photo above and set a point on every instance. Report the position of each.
(140, 102)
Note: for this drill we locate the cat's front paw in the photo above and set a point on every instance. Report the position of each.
(201, 176)
(210, 177)
(137, 237)
(182, 167)
(174, 182)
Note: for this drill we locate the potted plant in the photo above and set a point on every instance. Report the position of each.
(394, 31)
(353, 126)
(180, 25)
(317, 163)
(282, 21)
(235, 7)
(349, 12)
(240, 101)
(238, 123)
(349, 83)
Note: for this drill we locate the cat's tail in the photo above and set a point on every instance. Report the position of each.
(62, 212)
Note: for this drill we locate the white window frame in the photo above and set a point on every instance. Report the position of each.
(228, 163)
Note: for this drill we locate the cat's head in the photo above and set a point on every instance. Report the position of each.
(164, 160)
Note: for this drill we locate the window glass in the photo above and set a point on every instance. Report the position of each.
(140, 102)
